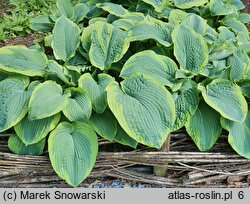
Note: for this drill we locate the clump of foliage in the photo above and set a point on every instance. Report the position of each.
(131, 72)
(16, 20)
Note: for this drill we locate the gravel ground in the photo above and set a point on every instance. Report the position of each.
(103, 182)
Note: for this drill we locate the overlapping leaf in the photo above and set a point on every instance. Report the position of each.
(18, 147)
(177, 16)
(219, 8)
(234, 24)
(46, 100)
(114, 9)
(238, 4)
(197, 23)
(65, 7)
(204, 126)
(104, 124)
(96, 90)
(123, 138)
(80, 12)
(41, 23)
(56, 69)
(31, 132)
(185, 4)
(245, 87)
(186, 103)
(239, 63)
(120, 12)
(151, 28)
(159, 5)
(79, 107)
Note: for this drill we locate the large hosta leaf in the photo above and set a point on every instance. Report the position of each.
(239, 135)
(190, 49)
(204, 127)
(186, 103)
(105, 44)
(65, 7)
(151, 28)
(18, 147)
(66, 38)
(14, 100)
(105, 124)
(46, 100)
(79, 107)
(72, 150)
(143, 108)
(22, 60)
(148, 62)
(185, 4)
(96, 90)
(31, 132)
(226, 98)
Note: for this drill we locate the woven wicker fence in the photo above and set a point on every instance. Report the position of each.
(187, 167)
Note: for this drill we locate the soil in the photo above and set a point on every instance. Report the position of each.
(247, 4)
(26, 40)
(2, 10)
(3, 7)
(247, 10)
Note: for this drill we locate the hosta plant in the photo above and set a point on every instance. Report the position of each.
(130, 72)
